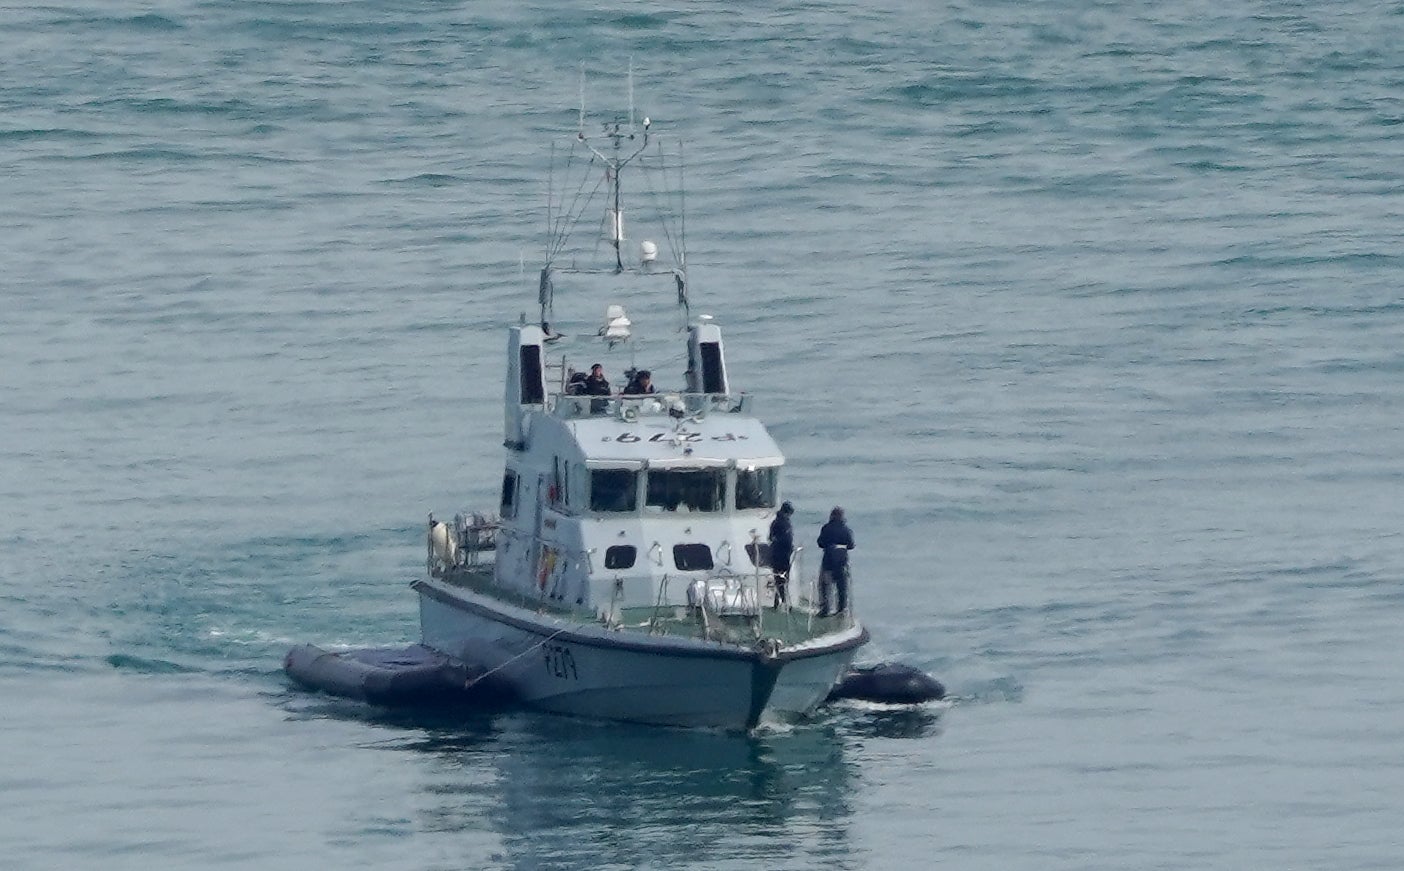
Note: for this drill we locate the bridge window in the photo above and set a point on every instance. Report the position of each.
(755, 488)
(686, 489)
(614, 490)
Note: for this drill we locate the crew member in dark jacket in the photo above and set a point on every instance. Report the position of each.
(782, 547)
(641, 384)
(596, 385)
(836, 540)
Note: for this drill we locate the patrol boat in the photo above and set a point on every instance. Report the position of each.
(625, 574)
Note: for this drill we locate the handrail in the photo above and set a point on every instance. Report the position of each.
(581, 559)
(756, 579)
(612, 619)
(631, 406)
(429, 548)
(796, 568)
(550, 588)
(706, 624)
(658, 605)
(813, 594)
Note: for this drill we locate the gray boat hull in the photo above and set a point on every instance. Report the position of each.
(587, 669)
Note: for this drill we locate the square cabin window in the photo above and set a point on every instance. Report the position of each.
(686, 489)
(614, 491)
(755, 488)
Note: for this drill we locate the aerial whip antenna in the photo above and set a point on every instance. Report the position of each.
(582, 99)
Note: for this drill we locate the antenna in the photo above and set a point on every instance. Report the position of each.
(631, 94)
(582, 99)
(551, 199)
(682, 209)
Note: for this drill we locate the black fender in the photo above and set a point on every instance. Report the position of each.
(888, 682)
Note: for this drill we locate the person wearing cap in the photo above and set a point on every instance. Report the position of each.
(596, 385)
(640, 384)
(595, 382)
(782, 547)
(835, 540)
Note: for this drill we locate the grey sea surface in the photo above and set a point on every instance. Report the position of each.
(1089, 314)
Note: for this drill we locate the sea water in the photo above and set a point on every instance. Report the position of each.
(1089, 314)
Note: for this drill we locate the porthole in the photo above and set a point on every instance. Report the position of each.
(692, 557)
(621, 556)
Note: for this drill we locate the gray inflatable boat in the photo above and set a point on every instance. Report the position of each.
(387, 676)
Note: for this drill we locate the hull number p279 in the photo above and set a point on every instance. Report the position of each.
(559, 662)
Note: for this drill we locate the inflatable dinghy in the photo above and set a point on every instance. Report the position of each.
(386, 676)
(888, 682)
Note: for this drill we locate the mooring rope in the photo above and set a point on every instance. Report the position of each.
(490, 672)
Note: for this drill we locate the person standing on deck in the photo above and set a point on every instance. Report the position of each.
(835, 540)
(782, 547)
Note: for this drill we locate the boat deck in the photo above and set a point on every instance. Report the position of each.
(788, 626)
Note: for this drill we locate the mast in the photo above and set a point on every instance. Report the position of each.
(616, 230)
(626, 143)
(614, 130)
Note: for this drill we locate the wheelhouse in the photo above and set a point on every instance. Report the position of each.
(675, 489)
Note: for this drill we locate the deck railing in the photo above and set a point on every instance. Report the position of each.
(632, 407)
(797, 618)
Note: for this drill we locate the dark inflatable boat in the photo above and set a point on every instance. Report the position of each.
(888, 682)
(386, 676)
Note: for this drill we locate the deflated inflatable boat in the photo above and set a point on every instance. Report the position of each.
(387, 676)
